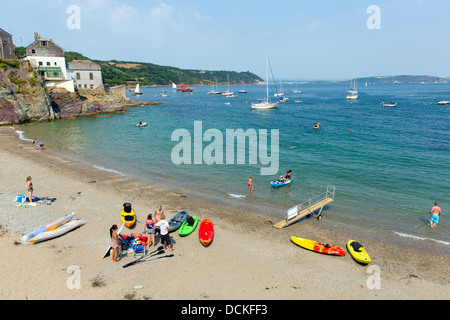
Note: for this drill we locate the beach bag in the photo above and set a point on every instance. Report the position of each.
(127, 207)
(21, 198)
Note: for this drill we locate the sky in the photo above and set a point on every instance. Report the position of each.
(304, 40)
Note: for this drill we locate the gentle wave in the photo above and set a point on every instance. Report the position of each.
(109, 170)
(236, 195)
(21, 136)
(420, 238)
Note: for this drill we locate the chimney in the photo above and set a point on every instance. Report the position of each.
(36, 36)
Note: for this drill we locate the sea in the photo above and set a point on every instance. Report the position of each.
(388, 165)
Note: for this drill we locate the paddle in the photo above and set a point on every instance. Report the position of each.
(142, 258)
(147, 255)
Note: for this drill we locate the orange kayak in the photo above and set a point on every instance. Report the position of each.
(206, 232)
(318, 246)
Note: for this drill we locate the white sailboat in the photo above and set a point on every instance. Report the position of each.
(213, 89)
(242, 90)
(281, 93)
(353, 91)
(296, 89)
(264, 104)
(228, 93)
(137, 91)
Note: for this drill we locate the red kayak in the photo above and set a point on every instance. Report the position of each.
(206, 232)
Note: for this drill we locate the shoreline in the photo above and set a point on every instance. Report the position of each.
(248, 258)
(273, 211)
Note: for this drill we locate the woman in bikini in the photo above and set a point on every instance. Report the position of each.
(114, 243)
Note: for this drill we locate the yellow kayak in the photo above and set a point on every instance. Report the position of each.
(318, 246)
(358, 252)
(129, 218)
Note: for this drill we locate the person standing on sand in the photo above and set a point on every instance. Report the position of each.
(164, 227)
(149, 228)
(29, 185)
(250, 184)
(34, 143)
(114, 243)
(435, 213)
(159, 211)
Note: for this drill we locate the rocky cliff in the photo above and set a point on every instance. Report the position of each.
(24, 98)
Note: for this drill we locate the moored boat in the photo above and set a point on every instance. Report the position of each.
(264, 104)
(392, 104)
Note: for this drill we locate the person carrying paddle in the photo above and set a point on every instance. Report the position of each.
(435, 213)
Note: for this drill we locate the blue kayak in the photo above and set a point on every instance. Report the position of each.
(280, 183)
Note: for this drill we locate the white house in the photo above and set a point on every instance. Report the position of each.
(86, 74)
(48, 59)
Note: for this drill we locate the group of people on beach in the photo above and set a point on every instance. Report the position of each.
(41, 144)
(155, 223)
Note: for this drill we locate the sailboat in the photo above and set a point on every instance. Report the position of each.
(242, 90)
(213, 89)
(281, 93)
(174, 86)
(183, 88)
(228, 93)
(353, 91)
(137, 91)
(296, 90)
(264, 104)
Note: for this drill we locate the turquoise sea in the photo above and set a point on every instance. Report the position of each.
(388, 165)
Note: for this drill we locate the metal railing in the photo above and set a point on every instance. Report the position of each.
(329, 194)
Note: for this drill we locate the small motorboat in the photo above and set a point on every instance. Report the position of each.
(392, 104)
(141, 124)
(443, 103)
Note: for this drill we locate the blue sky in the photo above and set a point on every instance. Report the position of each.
(325, 39)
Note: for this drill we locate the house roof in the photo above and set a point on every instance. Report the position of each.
(83, 65)
(3, 31)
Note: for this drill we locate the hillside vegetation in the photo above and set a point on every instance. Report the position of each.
(129, 73)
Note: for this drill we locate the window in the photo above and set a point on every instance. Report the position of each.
(33, 50)
(78, 76)
(91, 76)
(56, 64)
(48, 63)
(43, 43)
(40, 63)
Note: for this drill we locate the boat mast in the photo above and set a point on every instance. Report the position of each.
(267, 79)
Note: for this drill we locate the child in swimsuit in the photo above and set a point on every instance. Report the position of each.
(250, 184)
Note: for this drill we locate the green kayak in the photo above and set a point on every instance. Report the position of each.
(187, 228)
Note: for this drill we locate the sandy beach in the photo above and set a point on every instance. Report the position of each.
(248, 259)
